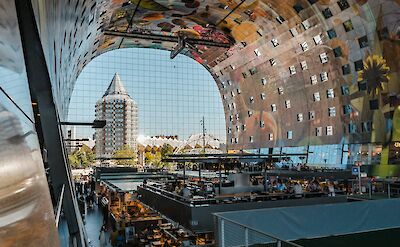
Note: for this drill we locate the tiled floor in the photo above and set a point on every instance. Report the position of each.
(94, 221)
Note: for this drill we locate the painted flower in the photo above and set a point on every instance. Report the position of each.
(375, 74)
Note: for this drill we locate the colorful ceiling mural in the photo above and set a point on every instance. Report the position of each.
(298, 72)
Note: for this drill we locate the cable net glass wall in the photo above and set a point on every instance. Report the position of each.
(172, 95)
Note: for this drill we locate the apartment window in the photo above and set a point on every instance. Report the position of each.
(260, 32)
(304, 65)
(352, 128)
(290, 135)
(263, 96)
(229, 82)
(275, 42)
(271, 136)
(237, 116)
(318, 131)
(327, 13)
(337, 51)
(238, 91)
(280, 90)
(363, 41)
(306, 24)
(317, 39)
(311, 115)
(343, 4)
(231, 118)
(323, 57)
(233, 94)
(329, 130)
(253, 70)
(250, 113)
(300, 117)
(257, 52)
(330, 93)
(251, 98)
(304, 46)
(294, 32)
(324, 76)
(332, 33)
(264, 81)
(346, 69)
(292, 70)
(287, 104)
(358, 65)
(314, 79)
(348, 25)
(229, 130)
(233, 105)
(366, 127)
(244, 127)
(244, 74)
(332, 111)
(316, 97)
(272, 62)
(280, 19)
(237, 128)
(262, 124)
(273, 107)
(347, 109)
(251, 139)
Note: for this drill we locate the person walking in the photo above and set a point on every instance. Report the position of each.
(102, 237)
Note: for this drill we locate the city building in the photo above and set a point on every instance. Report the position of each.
(120, 112)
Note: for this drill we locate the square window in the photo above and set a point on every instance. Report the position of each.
(292, 70)
(275, 42)
(244, 128)
(260, 32)
(343, 4)
(352, 128)
(330, 93)
(290, 135)
(337, 51)
(271, 137)
(318, 131)
(253, 70)
(317, 39)
(346, 69)
(262, 124)
(263, 96)
(251, 98)
(233, 94)
(348, 25)
(264, 81)
(347, 109)
(363, 41)
(332, 111)
(358, 65)
(304, 65)
(374, 104)
(362, 86)
(304, 46)
(314, 79)
(287, 104)
(239, 91)
(273, 107)
(280, 90)
(257, 52)
(329, 130)
(294, 32)
(311, 115)
(327, 13)
(300, 117)
(323, 57)
(324, 76)
(280, 19)
(332, 33)
(244, 74)
(306, 24)
(249, 113)
(297, 7)
(272, 62)
(316, 97)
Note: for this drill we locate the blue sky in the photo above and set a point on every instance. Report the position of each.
(172, 95)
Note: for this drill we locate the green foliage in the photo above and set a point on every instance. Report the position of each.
(153, 156)
(82, 157)
(125, 156)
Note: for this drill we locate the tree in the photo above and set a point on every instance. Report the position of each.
(125, 156)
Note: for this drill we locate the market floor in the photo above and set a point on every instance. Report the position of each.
(94, 221)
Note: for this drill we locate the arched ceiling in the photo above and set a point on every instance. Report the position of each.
(297, 72)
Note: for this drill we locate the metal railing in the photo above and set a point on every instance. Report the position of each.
(59, 205)
(233, 234)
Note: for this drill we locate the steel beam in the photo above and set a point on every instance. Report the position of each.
(40, 89)
(166, 38)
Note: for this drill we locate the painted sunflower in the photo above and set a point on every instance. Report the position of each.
(375, 74)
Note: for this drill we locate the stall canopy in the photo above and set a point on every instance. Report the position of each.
(307, 222)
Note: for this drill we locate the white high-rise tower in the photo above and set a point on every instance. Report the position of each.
(121, 114)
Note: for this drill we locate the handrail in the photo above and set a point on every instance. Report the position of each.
(59, 205)
(257, 231)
